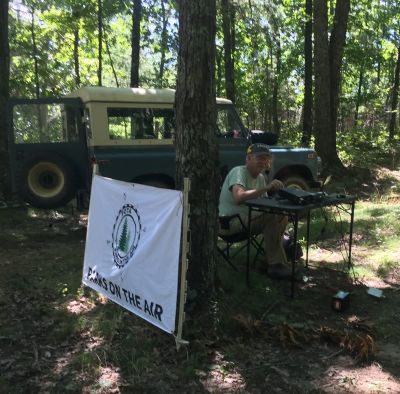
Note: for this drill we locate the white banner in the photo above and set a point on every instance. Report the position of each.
(132, 248)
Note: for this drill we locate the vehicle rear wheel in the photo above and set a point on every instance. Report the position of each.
(47, 181)
(295, 182)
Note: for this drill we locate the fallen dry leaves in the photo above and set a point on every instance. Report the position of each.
(360, 345)
(284, 332)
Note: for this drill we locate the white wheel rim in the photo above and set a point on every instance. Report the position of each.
(45, 179)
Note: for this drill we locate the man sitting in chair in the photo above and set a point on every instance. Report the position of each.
(245, 183)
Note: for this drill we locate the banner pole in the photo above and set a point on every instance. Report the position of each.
(184, 264)
(96, 169)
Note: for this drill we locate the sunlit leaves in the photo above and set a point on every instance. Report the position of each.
(262, 28)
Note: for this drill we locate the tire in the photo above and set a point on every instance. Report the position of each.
(47, 180)
(295, 182)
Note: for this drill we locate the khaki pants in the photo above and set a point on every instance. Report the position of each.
(271, 226)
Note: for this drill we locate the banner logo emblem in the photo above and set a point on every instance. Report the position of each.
(126, 235)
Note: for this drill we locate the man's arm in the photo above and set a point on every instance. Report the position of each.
(240, 194)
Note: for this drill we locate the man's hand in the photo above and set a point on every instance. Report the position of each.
(274, 186)
(240, 194)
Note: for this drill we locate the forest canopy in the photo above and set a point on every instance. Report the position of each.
(59, 45)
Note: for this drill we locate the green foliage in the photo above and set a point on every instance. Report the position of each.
(55, 23)
(367, 147)
(268, 50)
(85, 361)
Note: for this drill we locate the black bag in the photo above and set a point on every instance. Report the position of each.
(289, 247)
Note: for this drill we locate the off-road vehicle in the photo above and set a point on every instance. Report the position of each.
(129, 133)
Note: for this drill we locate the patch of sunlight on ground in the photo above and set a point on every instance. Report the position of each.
(222, 376)
(79, 306)
(345, 378)
(109, 378)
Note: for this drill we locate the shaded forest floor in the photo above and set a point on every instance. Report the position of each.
(57, 337)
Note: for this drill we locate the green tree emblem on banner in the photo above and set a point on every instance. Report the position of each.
(123, 243)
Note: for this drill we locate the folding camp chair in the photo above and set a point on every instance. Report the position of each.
(239, 237)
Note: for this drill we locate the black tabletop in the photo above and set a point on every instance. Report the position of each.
(279, 204)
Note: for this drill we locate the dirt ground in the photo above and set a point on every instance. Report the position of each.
(318, 350)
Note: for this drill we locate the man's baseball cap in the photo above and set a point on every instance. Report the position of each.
(258, 149)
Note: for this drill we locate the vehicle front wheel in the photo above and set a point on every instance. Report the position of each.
(47, 181)
(295, 182)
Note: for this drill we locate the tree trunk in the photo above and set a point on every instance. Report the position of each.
(336, 47)
(76, 57)
(321, 80)
(359, 91)
(35, 55)
(327, 65)
(395, 97)
(218, 65)
(136, 18)
(227, 11)
(114, 71)
(163, 46)
(196, 144)
(267, 121)
(100, 42)
(4, 95)
(275, 98)
(308, 72)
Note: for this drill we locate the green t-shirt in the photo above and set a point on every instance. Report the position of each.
(237, 176)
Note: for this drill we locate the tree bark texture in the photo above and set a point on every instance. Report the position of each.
(164, 45)
(359, 92)
(321, 79)
(136, 19)
(327, 66)
(114, 71)
(336, 47)
(76, 57)
(4, 95)
(218, 66)
(395, 98)
(195, 141)
(35, 55)
(275, 93)
(267, 117)
(308, 73)
(100, 42)
(227, 11)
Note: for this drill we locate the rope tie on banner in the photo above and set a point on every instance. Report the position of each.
(184, 265)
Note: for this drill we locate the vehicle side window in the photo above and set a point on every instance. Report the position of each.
(227, 124)
(70, 126)
(140, 123)
(40, 123)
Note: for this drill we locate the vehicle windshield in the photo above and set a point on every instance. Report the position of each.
(228, 123)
